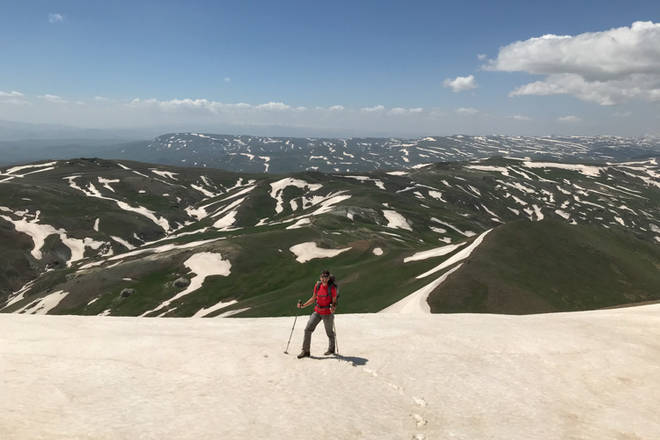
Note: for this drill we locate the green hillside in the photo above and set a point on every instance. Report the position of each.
(550, 266)
(100, 237)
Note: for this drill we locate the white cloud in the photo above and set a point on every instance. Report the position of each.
(521, 118)
(55, 17)
(568, 119)
(202, 105)
(227, 79)
(376, 108)
(273, 106)
(101, 99)
(13, 98)
(336, 108)
(607, 67)
(481, 56)
(467, 111)
(176, 104)
(404, 111)
(53, 99)
(398, 111)
(12, 94)
(461, 83)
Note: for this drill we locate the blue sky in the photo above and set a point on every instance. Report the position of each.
(390, 68)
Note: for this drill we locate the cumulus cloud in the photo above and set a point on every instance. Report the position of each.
(55, 17)
(461, 83)
(607, 67)
(481, 56)
(13, 98)
(398, 111)
(336, 108)
(568, 119)
(273, 106)
(53, 99)
(12, 94)
(521, 118)
(199, 105)
(404, 111)
(376, 108)
(467, 111)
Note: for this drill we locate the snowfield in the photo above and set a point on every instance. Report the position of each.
(586, 375)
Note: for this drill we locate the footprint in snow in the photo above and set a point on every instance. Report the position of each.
(419, 420)
(419, 401)
(394, 386)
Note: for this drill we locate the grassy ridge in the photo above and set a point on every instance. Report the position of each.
(549, 266)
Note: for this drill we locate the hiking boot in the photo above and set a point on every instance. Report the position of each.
(303, 354)
(329, 352)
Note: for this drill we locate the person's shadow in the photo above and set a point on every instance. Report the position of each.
(353, 360)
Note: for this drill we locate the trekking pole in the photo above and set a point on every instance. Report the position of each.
(334, 329)
(286, 351)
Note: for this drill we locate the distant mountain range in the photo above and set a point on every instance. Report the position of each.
(285, 155)
(117, 237)
(258, 154)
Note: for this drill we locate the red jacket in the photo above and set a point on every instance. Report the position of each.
(324, 298)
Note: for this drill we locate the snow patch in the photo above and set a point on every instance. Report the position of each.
(587, 170)
(459, 256)
(308, 251)
(396, 220)
(432, 253)
(203, 265)
(277, 189)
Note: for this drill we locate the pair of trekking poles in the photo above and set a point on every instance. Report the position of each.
(286, 351)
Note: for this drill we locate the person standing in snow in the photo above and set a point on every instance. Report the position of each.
(325, 297)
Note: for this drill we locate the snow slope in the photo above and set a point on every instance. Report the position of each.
(587, 375)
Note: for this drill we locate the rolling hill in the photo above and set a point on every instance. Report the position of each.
(115, 237)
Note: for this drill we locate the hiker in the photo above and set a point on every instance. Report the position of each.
(325, 297)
